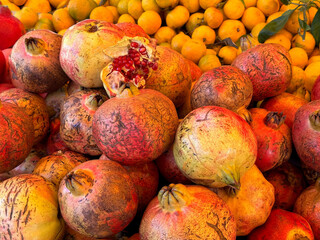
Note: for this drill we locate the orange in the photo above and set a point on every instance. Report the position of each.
(164, 34)
(102, 13)
(286, 33)
(256, 29)
(204, 33)
(81, 9)
(274, 16)
(233, 29)
(314, 59)
(213, 17)
(61, 32)
(115, 13)
(39, 5)
(61, 19)
(299, 57)
(122, 7)
(297, 80)
(150, 5)
(210, 51)
(114, 2)
(167, 3)
(227, 54)
(177, 17)
(126, 18)
(315, 52)
(11, 6)
(233, 9)
(268, 6)
(178, 40)
(208, 62)
(135, 8)
(193, 50)
(293, 22)
(195, 20)
(55, 3)
(204, 4)
(251, 17)
(312, 72)
(44, 23)
(165, 44)
(191, 5)
(250, 3)
(280, 39)
(150, 21)
(307, 44)
(312, 12)
(45, 15)
(27, 16)
(18, 2)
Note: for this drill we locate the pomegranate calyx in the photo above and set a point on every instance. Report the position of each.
(245, 114)
(94, 101)
(314, 119)
(35, 46)
(79, 182)
(274, 119)
(92, 27)
(173, 197)
(133, 60)
(231, 178)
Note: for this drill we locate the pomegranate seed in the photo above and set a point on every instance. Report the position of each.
(150, 64)
(146, 70)
(132, 68)
(143, 64)
(127, 65)
(142, 49)
(155, 66)
(137, 54)
(134, 44)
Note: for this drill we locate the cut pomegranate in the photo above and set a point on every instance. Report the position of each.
(133, 61)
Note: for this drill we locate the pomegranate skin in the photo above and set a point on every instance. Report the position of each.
(136, 129)
(269, 68)
(273, 136)
(132, 30)
(315, 93)
(306, 134)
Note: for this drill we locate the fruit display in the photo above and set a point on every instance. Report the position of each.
(159, 119)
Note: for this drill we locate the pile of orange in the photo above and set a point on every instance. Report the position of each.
(195, 28)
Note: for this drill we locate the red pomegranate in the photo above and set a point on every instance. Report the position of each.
(132, 30)
(5, 86)
(34, 62)
(224, 86)
(285, 103)
(11, 29)
(288, 182)
(2, 66)
(187, 212)
(6, 77)
(269, 68)
(195, 70)
(315, 93)
(16, 136)
(306, 134)
(54, 142)
(98, 198)
(136, 127)
(273, 136)
(76, 116)
(78, 60)
(283, 225)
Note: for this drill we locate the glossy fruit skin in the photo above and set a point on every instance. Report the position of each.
(2, 66)
(77, 59)
(315, 93)
(252, 203)
(286, 103)
(16, 134)
(132, 30)
(11, 29)
(198, 213)
(306, 134)
(34, 62)
(283, 225)
(172, 78)
(137, 129)
(98, 198)
(273, 136)
(269, 68)
(6, 77)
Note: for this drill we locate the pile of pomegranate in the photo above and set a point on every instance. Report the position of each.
(106, 135)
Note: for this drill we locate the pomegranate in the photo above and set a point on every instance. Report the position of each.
(315, 93)
(169, 169)
(224, 86)
(132, 30)
(288, 182)
(195, 70)
(273, 136)
(55, 166)
(252, 203)
(306, 134)
(16, 136)
(5, 86)
(308, 206)
(135, 236)
(136, 127)
(269, 68)
(34, 62)
(303, 93)
(6, 77)
(214, 147)
(29, 209)
(283, 225)
(74, 235)
(77, 58)
(54, 142)
(310, 175)
(187, 212)
(286, 103)
(173, 76)
(76, 120)
(11, 29)
(34, 106)
(2, 66)
(185, 108)
(133, 60)
(98, 198)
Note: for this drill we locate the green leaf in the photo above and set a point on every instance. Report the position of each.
(274, 26)
(285, 2)
(315, 27)
(304, 25)
(244, 4)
